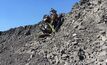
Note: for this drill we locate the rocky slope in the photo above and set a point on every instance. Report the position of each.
(82, 40)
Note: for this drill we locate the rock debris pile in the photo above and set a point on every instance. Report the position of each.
(81, 40)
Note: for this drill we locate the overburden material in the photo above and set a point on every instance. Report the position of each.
(81, 40)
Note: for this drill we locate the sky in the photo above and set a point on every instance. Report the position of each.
(15, 13)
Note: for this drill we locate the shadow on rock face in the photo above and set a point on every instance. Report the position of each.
(81, 54)
(83, 2)
(28, 33)
(0, 32)
(44, 35)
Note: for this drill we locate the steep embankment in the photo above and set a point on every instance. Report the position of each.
(84, 28)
